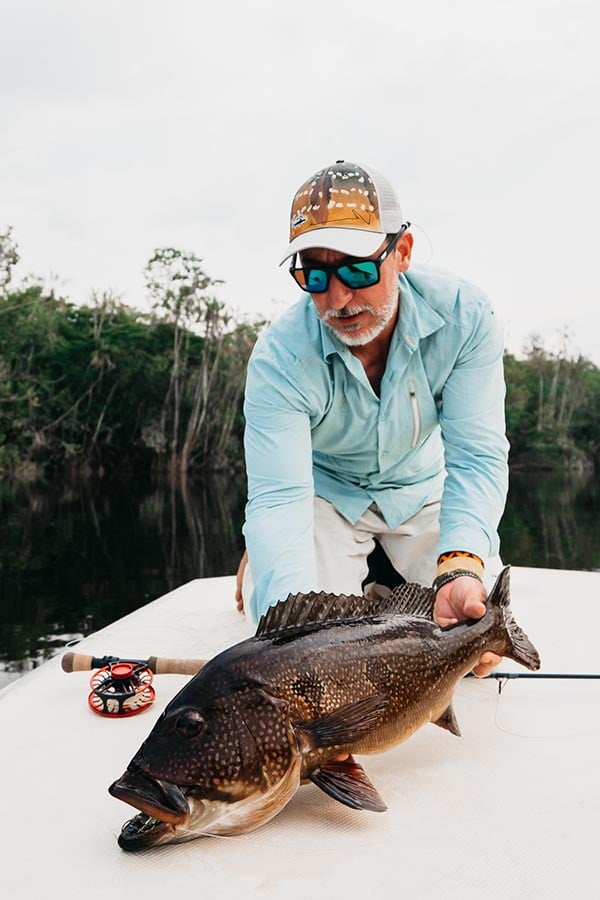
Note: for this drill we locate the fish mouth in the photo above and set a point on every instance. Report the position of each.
(159, 800)
(144, 831)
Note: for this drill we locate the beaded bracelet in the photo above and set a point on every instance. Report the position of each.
(440, 580)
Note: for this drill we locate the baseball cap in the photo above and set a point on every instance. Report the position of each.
(346, 207)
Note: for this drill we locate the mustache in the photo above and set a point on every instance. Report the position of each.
(346, 311)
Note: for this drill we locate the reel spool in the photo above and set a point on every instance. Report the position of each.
(121, 689)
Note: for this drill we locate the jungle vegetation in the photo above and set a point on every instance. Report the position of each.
(92, 388)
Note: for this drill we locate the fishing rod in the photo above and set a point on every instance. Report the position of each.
(501, 677)
(81, 662)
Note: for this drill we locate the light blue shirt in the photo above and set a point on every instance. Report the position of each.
(314, 425)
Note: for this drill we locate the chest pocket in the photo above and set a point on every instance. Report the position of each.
(416, 414)
(422, 408)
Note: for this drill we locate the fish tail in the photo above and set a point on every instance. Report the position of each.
(518, 646)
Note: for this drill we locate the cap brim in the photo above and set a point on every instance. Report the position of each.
(350, 241)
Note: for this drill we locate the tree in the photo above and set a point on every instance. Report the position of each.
(547, 401)
(94, 387)
(208, 362)
(9, 257)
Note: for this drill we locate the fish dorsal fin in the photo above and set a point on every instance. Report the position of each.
(312, 608)
(411, 600)
(307, 609)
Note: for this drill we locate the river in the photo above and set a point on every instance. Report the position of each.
(74, 558)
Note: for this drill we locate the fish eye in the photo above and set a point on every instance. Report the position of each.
(189, 723)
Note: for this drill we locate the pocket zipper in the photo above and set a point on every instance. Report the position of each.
(416, 416)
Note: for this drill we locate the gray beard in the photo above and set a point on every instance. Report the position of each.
(383, 319)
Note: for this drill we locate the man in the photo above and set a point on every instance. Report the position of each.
(375, 411)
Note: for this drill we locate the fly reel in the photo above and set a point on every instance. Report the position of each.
(121, 689)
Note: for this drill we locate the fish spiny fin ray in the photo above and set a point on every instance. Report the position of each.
(500, 593)
(314, 608)
(410, 600)
(307, 609)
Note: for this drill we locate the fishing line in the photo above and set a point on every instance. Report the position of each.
(225, 837)
(416, 225)
(504, 677)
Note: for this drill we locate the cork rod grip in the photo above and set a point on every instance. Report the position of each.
(77, 662)
(165, 666)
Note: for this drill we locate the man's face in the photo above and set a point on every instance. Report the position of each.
(357, 317)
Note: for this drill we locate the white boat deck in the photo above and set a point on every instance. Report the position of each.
(510, 810)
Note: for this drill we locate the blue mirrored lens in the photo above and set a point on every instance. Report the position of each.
(316, 280)
(359, 275)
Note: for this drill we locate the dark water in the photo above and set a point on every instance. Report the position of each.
(73, 559)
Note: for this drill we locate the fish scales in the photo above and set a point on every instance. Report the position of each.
(394, 655)
(326, 676)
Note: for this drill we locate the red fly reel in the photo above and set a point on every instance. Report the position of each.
(121, 689)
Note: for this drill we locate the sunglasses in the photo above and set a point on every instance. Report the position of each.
(353, 272)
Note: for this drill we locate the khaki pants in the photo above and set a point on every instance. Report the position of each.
(342, 548)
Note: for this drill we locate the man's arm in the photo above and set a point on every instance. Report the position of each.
(475, 446)
(279, 512)
(476, 459)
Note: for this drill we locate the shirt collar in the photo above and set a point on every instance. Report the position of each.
(418, 319)
(329, 342)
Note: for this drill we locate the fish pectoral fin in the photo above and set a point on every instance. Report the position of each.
(345, 725)
(448, 721)
(345, 780)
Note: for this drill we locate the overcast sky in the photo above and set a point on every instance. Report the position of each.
(138, 124)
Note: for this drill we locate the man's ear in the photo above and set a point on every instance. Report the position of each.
(403, 252)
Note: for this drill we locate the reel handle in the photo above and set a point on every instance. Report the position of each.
(82, 662)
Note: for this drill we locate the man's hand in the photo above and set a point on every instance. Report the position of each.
(464, 598)
(239, 578)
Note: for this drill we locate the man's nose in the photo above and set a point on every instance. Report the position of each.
(338, 294)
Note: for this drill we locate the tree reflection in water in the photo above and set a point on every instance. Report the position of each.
(552, 521)
(74, 558)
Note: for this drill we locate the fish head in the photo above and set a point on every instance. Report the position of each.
(217, 767)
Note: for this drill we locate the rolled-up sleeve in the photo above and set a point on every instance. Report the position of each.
(279, 511)
(475, 446)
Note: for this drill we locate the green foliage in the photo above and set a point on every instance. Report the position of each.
(105, 386)
(551, 400)
(9, 257)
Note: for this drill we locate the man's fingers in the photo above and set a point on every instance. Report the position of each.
(490, 659)
(239, 599)
(486, 664)
(474, 609)
(444, 621)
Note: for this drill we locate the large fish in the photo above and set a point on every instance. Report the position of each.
(325, 675)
